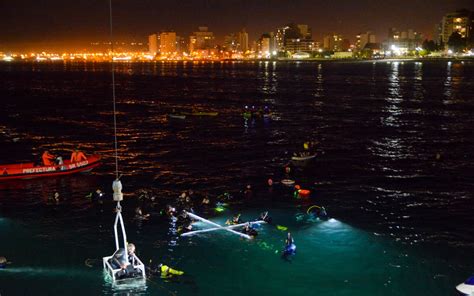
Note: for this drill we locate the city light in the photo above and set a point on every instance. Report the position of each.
(202, 45)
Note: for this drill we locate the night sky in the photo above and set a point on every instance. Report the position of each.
(26, 24)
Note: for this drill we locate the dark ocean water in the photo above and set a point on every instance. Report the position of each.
(395, 171)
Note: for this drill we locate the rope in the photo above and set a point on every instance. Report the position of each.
(113, 91)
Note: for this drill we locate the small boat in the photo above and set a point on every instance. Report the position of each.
(466, 288)
(302, 193)
(201, 113)
(30, 170)
(303, 158)
(177, 116)
(288, 182)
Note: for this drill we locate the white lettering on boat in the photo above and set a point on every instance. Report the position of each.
(78, 164)
(53, 169)
(39, 170)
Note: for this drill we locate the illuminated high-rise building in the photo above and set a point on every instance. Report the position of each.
(167, 42)
(294, 38)
(153, 44)
(181, 44)
(231, 42)
(461, 21)
(280, 39)
(201, 40)
(366, 38)
(333, 42)
(243, 40)
(404, 41)
(264, 45)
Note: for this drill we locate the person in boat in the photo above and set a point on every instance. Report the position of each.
(48, 159)
(77, 156)
(265, 217)
(249, 230)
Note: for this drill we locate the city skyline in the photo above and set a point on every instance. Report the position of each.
(56, 25)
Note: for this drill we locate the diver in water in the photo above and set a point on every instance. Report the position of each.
(3, 262)
(289, 240)
(97, 196)
(139, 214)
(185, 222)
(164, 271)
(170, 211)
(323, 214)
(248, 193)
(249, 230)
(316, 212)
(290, 247)
(235, 220)
(265, 217)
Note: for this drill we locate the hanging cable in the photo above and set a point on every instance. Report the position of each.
(113, 91)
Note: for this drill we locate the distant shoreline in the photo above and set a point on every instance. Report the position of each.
(311, 60)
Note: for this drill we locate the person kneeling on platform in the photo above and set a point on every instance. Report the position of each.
(119, 261)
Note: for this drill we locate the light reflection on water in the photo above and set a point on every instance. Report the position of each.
(380, 126)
